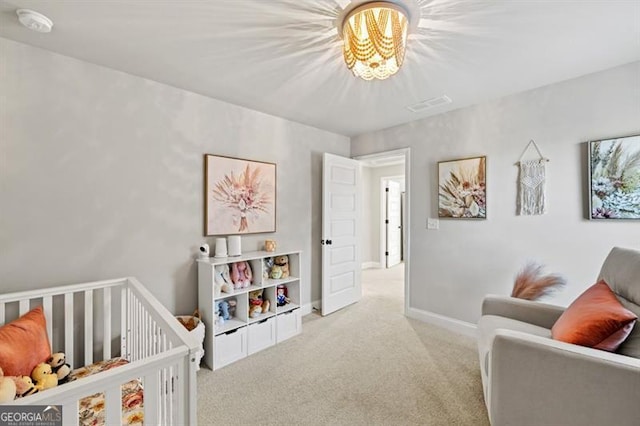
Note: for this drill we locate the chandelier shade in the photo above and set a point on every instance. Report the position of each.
(375, 36)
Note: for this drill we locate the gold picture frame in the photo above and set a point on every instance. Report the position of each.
(240, 196)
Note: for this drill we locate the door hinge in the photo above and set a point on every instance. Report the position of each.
(386, 253)
(386, 221)
(386, 190)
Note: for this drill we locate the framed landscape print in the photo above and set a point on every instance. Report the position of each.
(462, 188)
(240, 196)
(614, 178)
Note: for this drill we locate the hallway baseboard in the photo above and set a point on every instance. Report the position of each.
(452, 324)
(371, 265)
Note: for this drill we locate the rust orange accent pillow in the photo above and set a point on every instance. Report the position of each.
(595, 319)
(24, 343)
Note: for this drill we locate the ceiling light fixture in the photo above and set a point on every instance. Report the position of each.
(34, 21)
(375, 36)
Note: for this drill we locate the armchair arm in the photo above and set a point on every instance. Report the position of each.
(540, 314)
(536, 380)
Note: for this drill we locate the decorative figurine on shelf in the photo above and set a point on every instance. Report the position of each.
(241, 275)
(270, 245)
(225, 309)
(257, 304)
(267, 265)
(281, 295)
(283, 263)
(222, 280)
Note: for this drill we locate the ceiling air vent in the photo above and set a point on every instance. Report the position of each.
(429, 103)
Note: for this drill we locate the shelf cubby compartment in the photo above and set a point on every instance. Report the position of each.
(293, 293)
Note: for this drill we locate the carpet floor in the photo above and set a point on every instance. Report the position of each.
(366, 364)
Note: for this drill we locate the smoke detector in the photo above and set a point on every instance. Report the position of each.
(34, 21)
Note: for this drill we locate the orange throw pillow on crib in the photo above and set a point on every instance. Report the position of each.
(24, 343)
(595, 319)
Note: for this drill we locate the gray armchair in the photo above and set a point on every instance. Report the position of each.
(530, 379)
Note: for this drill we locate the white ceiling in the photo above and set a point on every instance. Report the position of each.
(283, 57)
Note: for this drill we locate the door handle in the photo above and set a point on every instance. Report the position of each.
(327, 242)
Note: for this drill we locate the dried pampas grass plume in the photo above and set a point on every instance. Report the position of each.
(531, 284)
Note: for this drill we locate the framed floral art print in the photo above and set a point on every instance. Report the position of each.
(240, 196)
(614, 178)
(462, 188)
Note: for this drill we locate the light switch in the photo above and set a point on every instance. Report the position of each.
(433, 223)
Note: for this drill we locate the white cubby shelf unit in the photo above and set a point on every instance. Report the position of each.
(241, 335)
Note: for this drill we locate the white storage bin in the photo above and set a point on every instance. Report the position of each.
(230, 347)
(289, 324)
(261, 335)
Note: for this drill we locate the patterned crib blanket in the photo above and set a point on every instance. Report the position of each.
(92, 407)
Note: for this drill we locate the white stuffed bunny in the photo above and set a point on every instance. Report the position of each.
(222, 280)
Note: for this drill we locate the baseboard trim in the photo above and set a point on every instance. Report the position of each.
(457, 326)
(371, 265)
(308, 308)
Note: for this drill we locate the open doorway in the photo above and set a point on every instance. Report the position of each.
(385, 221)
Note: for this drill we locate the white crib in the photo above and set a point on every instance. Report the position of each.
(88, 322)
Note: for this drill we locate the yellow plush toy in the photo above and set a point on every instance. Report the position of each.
(44, 377)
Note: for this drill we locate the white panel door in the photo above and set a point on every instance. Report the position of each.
(394, 224)
(341, 209)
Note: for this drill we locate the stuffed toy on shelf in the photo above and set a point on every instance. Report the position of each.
(241, 275)
(282, 295)
(257, 304)
(222, 280)
(283, 263)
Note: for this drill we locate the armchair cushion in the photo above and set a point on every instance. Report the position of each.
(621, 270)
(595, 319)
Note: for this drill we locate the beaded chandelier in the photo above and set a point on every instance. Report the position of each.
(374, 37)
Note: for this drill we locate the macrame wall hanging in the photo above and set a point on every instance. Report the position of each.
(531, 184)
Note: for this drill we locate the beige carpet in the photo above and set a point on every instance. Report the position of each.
(364, 365)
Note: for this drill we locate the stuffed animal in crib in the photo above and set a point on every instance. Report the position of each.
(59, 366)
(7, 388)
(241, 275)
(283, 263)
(44, 376)
(257, 304)
(24, 386)
(222, 280)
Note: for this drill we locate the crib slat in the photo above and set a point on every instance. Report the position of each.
(68, 329)
(70, 412)
(48, 315)
(106, 318)
(113, 406)
(151, 393)
(1, 313)
(24, 306)
(88, 327)
(124, 322)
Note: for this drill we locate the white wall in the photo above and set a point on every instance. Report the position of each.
(371, 177)
(452, 268)
(101, 176)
